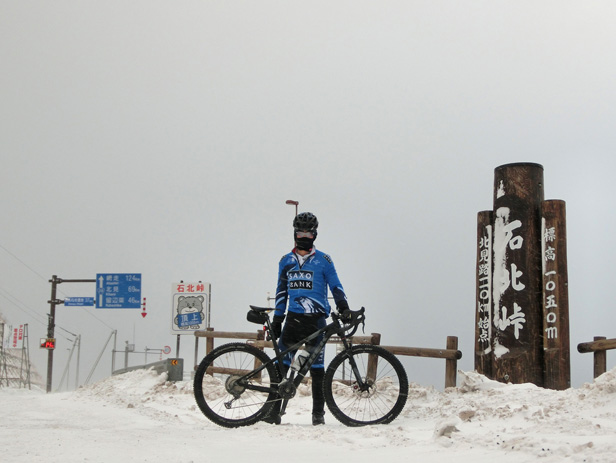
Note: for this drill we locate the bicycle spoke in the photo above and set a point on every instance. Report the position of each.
(376, 396)
(222, 397)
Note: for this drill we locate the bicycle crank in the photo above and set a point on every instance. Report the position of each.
(286, 389)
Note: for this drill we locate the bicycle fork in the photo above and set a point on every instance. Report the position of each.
(363, 384)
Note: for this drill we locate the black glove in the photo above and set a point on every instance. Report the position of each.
(344, 311)
(277, 325)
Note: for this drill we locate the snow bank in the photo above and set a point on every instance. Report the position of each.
(139, 416)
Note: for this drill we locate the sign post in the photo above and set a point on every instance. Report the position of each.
(51, 325)
(113, 291)
(190, 309)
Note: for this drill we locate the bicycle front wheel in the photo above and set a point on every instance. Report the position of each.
(374, 394)
(227, 401)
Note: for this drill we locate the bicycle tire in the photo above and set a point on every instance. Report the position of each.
(213, 391)
(386, 396)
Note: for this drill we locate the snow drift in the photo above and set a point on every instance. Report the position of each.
(139, 416)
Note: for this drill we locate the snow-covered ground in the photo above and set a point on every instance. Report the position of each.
(140, 417)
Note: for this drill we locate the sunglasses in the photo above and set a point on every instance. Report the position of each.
(304, 234)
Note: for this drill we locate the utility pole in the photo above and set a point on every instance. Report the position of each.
(51, 328)
(3, 369)
(78, 358)
(55, 281)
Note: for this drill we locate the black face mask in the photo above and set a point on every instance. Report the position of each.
(304, 244)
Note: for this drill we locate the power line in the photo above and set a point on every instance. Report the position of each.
(24, 308)
(46, 280)
(22, 262)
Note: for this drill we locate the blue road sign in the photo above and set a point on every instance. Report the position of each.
(189, 319)
(118, 290)
(79, 301)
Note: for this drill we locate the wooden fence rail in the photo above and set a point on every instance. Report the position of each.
(599, 347)
(451, 354)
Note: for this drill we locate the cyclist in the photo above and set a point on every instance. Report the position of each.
(304, 275)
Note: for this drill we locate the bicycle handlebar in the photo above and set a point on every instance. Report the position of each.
(357, 318)
(260, 315)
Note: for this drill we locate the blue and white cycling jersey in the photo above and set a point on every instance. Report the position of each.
(304, 286)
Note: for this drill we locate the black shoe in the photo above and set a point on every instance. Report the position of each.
(318, 418)
(272, 419)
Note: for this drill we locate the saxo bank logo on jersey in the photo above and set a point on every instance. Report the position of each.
(300, 279)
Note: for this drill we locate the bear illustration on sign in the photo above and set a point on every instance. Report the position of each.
(190, 312)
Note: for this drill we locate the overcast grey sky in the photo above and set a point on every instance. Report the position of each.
(163, 138)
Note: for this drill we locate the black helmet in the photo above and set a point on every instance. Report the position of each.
(305, 221)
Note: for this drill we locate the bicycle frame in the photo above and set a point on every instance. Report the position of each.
(328, 331)
(362, 384)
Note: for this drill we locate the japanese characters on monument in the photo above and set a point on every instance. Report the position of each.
(484, 285)
(550, 303)
(483, 294)
(528, 332)
(508, 279)
(517, 277)
(190, 307)
(556, 345)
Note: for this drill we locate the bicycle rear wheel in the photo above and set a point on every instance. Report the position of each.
(380, 394)
(226, 402)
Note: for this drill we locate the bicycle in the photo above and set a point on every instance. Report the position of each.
(237, 384)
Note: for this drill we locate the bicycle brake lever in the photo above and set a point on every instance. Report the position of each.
(363, 320)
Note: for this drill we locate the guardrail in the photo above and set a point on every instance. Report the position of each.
(174, 368)
(599, 347)
(451, 354)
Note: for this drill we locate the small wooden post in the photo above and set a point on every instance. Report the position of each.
(556, 349)
(371, 369)
(517, 305)
(209, 342)
(196, 352)
(257, 363)
(209, 346)
(451, 365)
(483, 310)
(600, 359)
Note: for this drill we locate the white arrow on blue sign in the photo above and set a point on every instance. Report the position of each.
(118, 290)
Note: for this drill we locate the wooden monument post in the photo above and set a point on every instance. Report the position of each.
(516, 291)
(483, 313)
(556, 344)
(522, 330)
